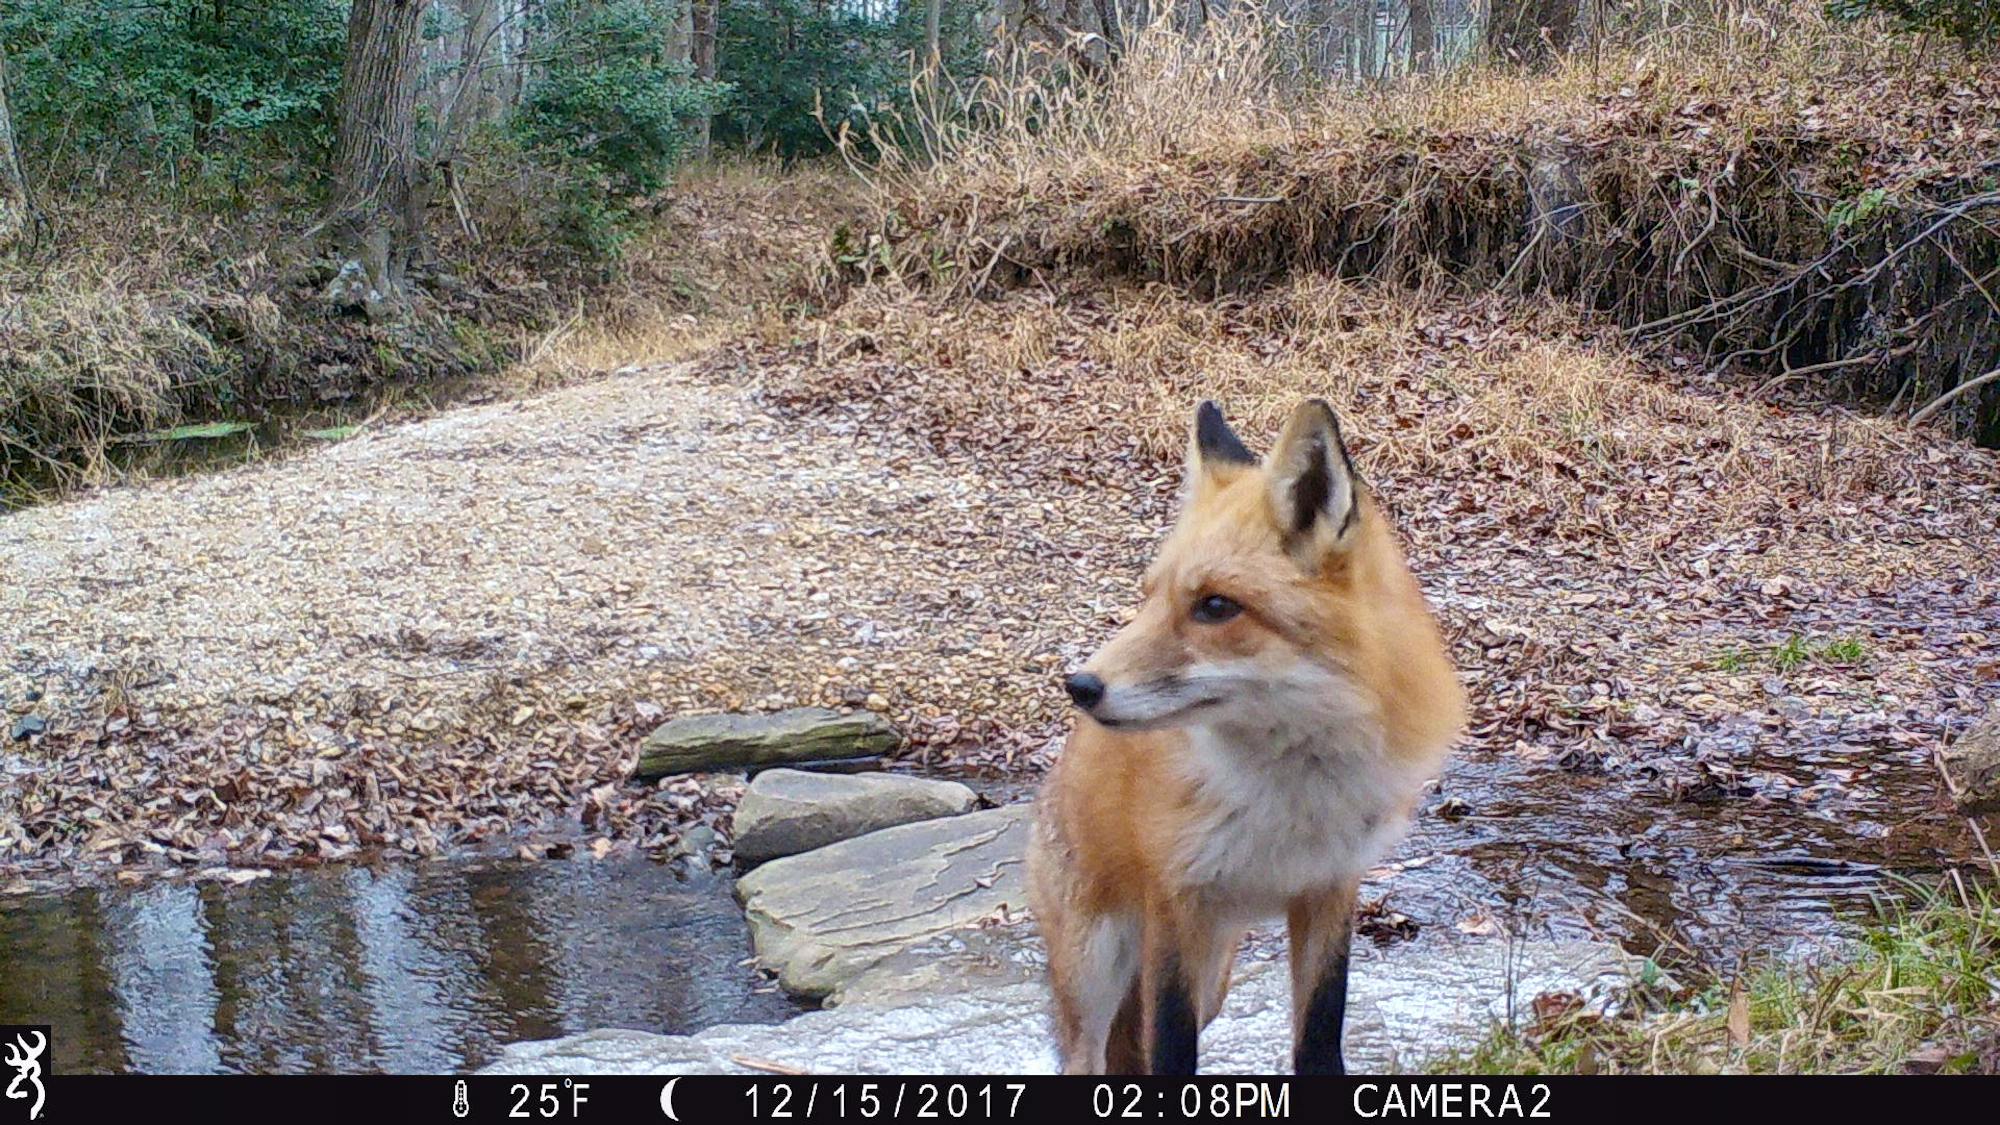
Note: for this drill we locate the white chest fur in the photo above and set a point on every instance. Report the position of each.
(1286, 810)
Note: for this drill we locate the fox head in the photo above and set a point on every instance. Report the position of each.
(1280, 595)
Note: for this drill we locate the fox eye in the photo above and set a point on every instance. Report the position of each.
(1215, 609)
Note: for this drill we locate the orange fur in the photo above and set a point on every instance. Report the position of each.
(1327, 694)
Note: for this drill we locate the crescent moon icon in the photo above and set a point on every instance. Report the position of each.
(667, 1099)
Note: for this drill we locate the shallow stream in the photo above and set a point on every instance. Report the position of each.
(434, 967)
(407, 969)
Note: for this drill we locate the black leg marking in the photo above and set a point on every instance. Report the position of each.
(1175, 1028)
(1318, 1051)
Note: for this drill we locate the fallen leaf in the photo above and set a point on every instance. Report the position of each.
(1739, 1014)
(1478, 924)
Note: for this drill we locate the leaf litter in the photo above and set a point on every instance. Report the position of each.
(452, 635)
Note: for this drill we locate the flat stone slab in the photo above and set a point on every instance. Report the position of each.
(825, 916)
(805, 734)
(993, 956)
(972, 1013)
(785, 812)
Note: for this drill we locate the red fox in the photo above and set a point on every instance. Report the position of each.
(1255, 740)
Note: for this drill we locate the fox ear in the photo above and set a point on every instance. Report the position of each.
(1313, 484)
(1214, 450)
(1215, 445)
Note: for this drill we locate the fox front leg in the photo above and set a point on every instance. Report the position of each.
(1184, 958)
(1321, 927)
(1172, 1023)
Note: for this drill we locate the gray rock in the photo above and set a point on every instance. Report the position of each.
(612, 1050)
(1973, 766)
(695, 841)
(824, 916)
(710, 742)
(1407, 1005)
(354, 287)
(785, 812)
(694, 851)
(972, 960)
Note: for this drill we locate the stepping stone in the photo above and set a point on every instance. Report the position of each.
(695, 743)
(825, 916)
(785, 812)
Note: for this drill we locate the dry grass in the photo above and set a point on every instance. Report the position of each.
(1148, 162)
(739, 247)
(1765, 200)
(102, 338)
(155, 313)
(1537, 413)
(152, 311)
(1918, 996)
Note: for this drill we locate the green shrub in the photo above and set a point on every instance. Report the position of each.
(610, 110)
(100, 75)
(789, 61)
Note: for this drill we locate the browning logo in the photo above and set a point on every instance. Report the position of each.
(24, 1048)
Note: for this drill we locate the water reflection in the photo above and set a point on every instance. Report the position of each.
(407, 969)
(158, 950)
(1554, 853)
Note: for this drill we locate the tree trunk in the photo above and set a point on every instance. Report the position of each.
(933, 26)
(1108, 27)
(472, 92)
(484, 58)
(1423, 37)
(1530, 32)
(1366, 67)
(703, 50)
(512, 79)
(379, 188)
(15, 217)
(680, 37)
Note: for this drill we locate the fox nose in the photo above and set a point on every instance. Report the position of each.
(1085, 689)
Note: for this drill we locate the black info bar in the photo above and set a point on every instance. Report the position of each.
(695, 1099)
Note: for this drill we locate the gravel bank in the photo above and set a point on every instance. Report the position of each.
(457, 630)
